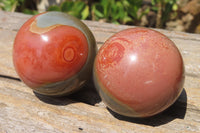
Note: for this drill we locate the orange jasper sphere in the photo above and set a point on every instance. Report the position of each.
(138, 72)
(53, 53)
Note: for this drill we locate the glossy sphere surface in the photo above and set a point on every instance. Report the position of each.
(139, 72)
(54, 53)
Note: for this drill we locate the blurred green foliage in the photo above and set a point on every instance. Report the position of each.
(10, 5)
(167, 7)
(78, 9)
(117, 11)
(114, 11)
(16, 5)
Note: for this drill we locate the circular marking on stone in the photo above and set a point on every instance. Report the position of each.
(69, 54)
(111, 55)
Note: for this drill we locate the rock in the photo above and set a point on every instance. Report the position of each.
(197, 30)
(176, 25)
(182, 24)
(182, 3)
(192, 7)
(144, 21)
(187, 20)
(188, 17)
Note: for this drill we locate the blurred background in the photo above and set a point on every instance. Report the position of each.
(176, 15)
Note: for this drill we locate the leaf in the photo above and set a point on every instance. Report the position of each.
(98, 10)
(132, 12)
(85, 12)
(125, 3)
(66, 6)
(98, 14)
(106, 7)
(126, 19)
(54, 8)
(146, 11)
(33, 12)
(175, 7)
(115, 22)
(155, 8)
(122, 13)
(78, 6)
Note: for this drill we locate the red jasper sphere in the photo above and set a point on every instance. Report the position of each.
(138, 72)
(53, 53)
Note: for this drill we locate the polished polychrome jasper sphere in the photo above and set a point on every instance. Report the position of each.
(54, 53)
(138, 72)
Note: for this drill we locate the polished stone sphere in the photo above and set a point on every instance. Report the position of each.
(53, 53)
(138, 72)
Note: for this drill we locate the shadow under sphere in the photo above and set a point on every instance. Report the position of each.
(177, 110)
(87, 94)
